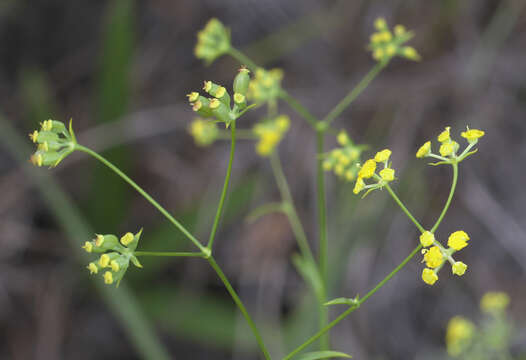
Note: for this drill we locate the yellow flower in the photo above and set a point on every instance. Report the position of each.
(104, 260)
(92, 267)
(472, 135)
(494, 302)
(108, 278)
(386, 36)
(399, 30)
(358, 186)
(193, 96)
(429, 276)
(378, 54)
(343, 138)
(458, 335)
(390, 50)
(382, 156)
(34, 136)
(446, 149)
(114, 266)
(427, 239)
(458, 240)
(367, 169)
(127, 238)
(410, 53)
(239, 98)
(380, 23)
(444, 135)
(99, 240)
(88, 246)
(459, 268)
(424, 150)
(433, 257)
(387, 174)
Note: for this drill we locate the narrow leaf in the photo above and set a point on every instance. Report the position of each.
(323, 355)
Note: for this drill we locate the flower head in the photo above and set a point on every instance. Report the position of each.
(458, 240)
(433, 257)
(384, 45)
(494, 302)
(367, 170)
(424, 150)
(429, 276)
(387, 174)
(459, 334)
(54, 143)
(359, 185)
(444, 135)
(213, 41)
(427, 239)
(265, 85)
(204, 132)
(472, 135)
(382, 156)
(270, 134)
(459, 268)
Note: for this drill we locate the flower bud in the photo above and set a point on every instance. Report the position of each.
(241, 81)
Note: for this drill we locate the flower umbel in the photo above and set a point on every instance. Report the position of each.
(54, 143)
(213, 41)
(384, 45)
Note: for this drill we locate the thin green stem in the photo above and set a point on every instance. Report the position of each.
(289, 209)
(299, 108)
(450, 197)
(241, 307)
(402, 206)
(322, 224)
(353, 94)
(144, 194)
(351, 309)
(225, 186)
(242, 58)
(169, 253)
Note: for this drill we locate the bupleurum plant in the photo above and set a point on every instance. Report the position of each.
(219, 108)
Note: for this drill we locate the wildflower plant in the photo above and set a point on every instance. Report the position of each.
(254, 86)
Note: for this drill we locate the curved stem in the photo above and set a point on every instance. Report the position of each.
(225, 186)
(402, 206)
(162, 210)
(450, 197)
(169, 253)
(242, 58)
(241, 307)
(300, 109)
(353, 94)
(351, 309)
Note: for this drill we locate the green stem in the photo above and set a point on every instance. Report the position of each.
(450, 197)
(168, 253)
(353, 94)
(225, 186)
(322, 223)
(351, 309)
(289, 208)
(402, 206)
(300, 109)
(242, 58)
(241, 307)
(144, 194)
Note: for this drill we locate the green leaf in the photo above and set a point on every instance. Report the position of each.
(343, 301)
(323, 355)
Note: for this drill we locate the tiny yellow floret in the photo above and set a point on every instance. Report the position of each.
(472, 135)
(193, 96)
(380, 23)
(88, 246)
(459, 268)
(427, 239)
(378, 54)
(47, 125)
(197, 105)
(99, 240)
(390, 50)
(34, 136)
(214, 103)
(108, 278)
(424, 150)
(444, 135)
(410, 53)
(382, 156)
(220, 92)
(359, 185)
(458, 240)
(127, 238)
(494, 302)
(458, 335)
(342, 138)
(114, 266)
(104, 260)
(367, 170)
(399, 30)
(433, 257)
(387, 174)
(239, 98)
(207, 86)
(447, 149)
(429, 276)
(92, 267)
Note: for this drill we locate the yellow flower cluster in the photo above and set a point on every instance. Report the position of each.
(459, 335)
(494, 302)
(115, 255)
(54, 143)
(385, 44)
(270, 134)
(213, 41)
(436, 254)
(265, 85)
(343, 160)
(448, 147)
(204, 132)
(368, 170)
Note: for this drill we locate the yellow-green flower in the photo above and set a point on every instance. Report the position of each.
(494, 302)
(459, 334)
(108, 278)
(433, 257)
(270, 134)
(472, 135)
(127, 238)
(382, 156)
(204, 132)
(213, 41)
(429, 276)
(458, 240)
(387, 174)
(448, 148)
(104, 260)
(459, 268)
(444, 135)
(92, 267)
(359, 185)
(88, 246)
(367, 170)
(424, 150)
(427, 239)
(343, 138)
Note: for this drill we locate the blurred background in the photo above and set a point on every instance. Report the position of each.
(122, 68)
